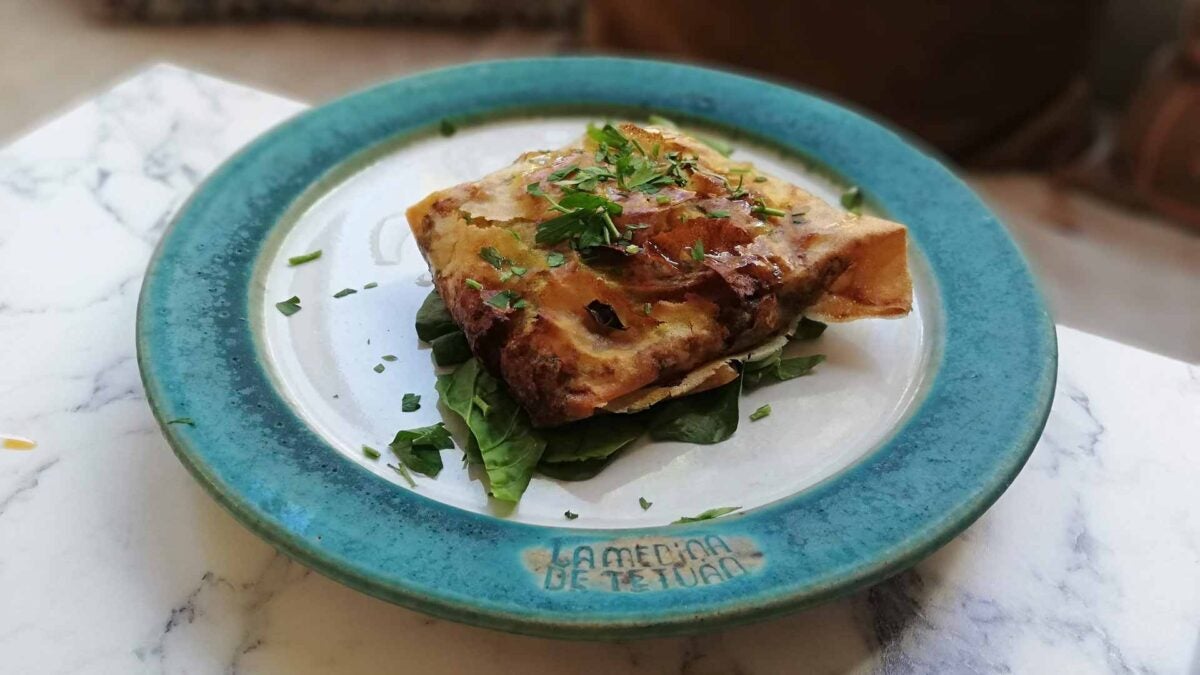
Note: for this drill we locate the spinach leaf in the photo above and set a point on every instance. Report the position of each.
(450, 349)
(778, 369)
(593, 438)
(708, 417)
(420, 449)
(707, 515)
(808, 329)
(573, 471)
(507, 442)
(433, 319)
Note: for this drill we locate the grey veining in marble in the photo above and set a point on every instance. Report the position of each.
(112, 560)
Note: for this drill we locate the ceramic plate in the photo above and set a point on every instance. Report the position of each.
(905, 435)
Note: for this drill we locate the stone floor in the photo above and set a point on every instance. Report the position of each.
(1123, 275)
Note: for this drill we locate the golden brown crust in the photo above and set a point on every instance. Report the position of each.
(677, 310)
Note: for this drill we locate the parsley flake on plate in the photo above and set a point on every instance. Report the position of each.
(301, 259)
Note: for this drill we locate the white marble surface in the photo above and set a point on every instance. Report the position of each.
(112, 560)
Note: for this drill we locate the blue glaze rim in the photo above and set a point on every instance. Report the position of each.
(948, 462)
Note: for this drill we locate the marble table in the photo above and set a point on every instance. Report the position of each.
(112, 559)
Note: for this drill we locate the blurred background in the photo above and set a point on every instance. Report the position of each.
(1079, 120)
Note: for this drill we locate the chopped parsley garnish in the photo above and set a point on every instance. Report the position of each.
(852, 199)
(633, 249)
(474, 284)
(301, 259)
(370, 452)
(698, 250)
(644, 504)
(370, 285)
(289, 307)
(708, 515)
(561, 173)
(388, 357)
(378, 368)
(492, 257)
(762, 412)
(446, 127)
(760, 179)
(505, 275)
(403, 472)
(719, 144)
(518, 270)
(183, 420)
(570, 516)
(344, 292)
(410, 403)
(739, 191)
(646, 309)
(718, 214)
(762, 209)
(555, 259)
(662, 200)
(586, 221)
(505, 299)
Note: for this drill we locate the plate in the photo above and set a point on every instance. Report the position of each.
(904, 436)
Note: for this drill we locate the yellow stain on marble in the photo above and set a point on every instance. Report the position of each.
(16, 443)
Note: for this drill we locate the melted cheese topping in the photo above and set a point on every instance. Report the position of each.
(709, 274)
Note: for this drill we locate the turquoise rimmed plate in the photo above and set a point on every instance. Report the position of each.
(907, 433)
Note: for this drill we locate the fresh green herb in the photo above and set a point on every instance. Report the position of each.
(450, 349)
(344, 292)
(739, 191)
(505, 275)
(708, 417)
(301, 259)
(762, 412)
(433, 319)
(370, 452)
(520, 304)
(645, 504)
(760, 179)
(515, 235)
(662, 199)
(492, 257)
(777, 368)
(474, 284)
(698, 251)
(586, 221)
(852, 199)
(646, 308)
(506, 441)
(183, 420)
(446, 127)
(763, 210)
(555, 259)
(505, 299)
(717, 214)
(604, 314)
(707, 515)
(289, 307)
(420, 449)
(562, 173)
(403, 472)
(410, 403)
(389, 357)
(809, 329)
(518, 270)
(379, 368)
(369, 285)
(570, 516)
(633, 249)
